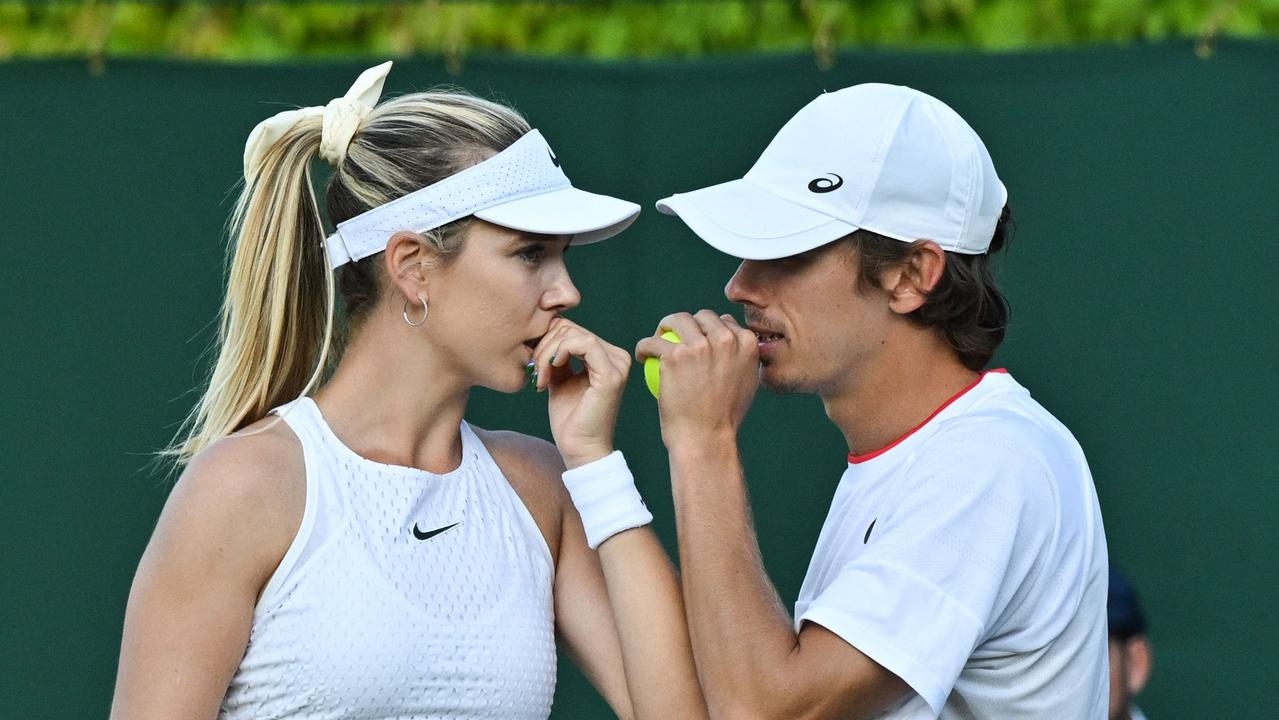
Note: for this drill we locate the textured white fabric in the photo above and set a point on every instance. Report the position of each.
(969, 559)
(522, 188)
(881, 157)
(364, 620)
(606, 498)
(342, 118)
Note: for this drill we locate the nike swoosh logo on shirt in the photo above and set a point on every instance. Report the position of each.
(427, 535)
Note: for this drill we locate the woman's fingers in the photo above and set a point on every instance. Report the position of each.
(544, 353)
(600, 365)
(566, 340)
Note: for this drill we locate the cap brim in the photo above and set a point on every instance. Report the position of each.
(586, 217)
(748, 222)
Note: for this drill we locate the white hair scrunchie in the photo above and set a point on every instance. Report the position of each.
(342, 117)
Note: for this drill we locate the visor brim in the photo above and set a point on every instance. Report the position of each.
(584, 216)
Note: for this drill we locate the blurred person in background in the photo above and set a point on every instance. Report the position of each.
(1130, 655)
(348, 545)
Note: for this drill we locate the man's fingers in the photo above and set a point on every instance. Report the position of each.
(745, 336)
(652, 347)
(704, 328)
(684, 325)
(714, 328)
(656, 345)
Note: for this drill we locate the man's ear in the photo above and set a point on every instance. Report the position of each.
(1140, 661)
(909, 282)
(408, 263)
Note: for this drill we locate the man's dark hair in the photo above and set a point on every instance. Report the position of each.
(965, 305)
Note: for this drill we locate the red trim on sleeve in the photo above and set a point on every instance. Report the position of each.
(854, 459)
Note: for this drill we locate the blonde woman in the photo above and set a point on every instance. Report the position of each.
(342, 544)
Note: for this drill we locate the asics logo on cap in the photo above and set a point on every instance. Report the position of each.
(825, 184)
(553, 158)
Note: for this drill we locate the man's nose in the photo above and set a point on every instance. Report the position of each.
(742, 288)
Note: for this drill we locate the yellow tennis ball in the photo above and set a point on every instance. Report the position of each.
(653, 366)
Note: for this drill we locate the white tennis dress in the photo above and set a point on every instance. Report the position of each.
(406, 594)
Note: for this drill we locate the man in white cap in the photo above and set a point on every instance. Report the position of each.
(961, 571)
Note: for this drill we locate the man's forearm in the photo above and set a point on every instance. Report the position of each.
(741, 634)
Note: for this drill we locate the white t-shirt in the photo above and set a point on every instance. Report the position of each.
(969, 559)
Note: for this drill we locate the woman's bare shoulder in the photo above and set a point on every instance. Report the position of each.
(244, 494)
(262, 463)
(534, 468)
(528, 455)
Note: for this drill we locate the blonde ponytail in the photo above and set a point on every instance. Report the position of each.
(277, 340)
(277, 319)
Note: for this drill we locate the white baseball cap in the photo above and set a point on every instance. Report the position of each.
(883, 158)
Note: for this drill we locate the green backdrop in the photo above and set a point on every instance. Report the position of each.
(1144, 183)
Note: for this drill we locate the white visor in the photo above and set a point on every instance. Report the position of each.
(521, 188)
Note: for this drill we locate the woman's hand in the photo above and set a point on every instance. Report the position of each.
(583, 404)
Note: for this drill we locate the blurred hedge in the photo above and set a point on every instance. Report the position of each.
(605, 29)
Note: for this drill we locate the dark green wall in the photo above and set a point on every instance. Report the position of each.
(1144, 183)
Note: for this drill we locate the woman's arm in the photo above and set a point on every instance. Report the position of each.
(623, 600)
(591, 616)
(626, 599)
(226, 525)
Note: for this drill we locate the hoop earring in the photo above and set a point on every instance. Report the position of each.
(426, 310)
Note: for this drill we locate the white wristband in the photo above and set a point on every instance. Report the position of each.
(605, 496)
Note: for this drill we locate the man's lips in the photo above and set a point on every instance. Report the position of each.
(765, 335)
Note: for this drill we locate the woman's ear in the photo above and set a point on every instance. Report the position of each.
(909, 282)
(408, 263)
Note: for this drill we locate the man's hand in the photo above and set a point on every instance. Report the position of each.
(708, 380)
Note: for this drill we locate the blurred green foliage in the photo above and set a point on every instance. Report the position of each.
(606, 29)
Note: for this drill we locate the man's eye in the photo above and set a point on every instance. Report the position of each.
(532, 253)
(794, 262)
